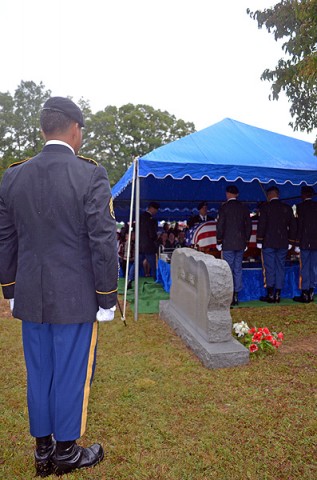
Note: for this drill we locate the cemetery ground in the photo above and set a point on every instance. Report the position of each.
(161, 415)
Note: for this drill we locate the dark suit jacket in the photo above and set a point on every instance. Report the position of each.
(58, 254)
(233, 226)
(148, 233)
(196, 219)
(307, 225)
(277, 225)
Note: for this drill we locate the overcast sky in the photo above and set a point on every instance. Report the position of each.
(199, 60)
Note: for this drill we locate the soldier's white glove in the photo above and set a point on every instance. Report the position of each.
(11, 303)
(105, 314)
(259, 245)
(297, 249)
(219, 247)
(290, 246)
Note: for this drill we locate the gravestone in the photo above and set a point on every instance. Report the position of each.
(199, 308)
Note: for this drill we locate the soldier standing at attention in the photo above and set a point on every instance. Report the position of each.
(59, 268)
(275, 236)
(306, 241)
(233, 233)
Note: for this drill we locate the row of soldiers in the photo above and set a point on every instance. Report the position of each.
(278, 231)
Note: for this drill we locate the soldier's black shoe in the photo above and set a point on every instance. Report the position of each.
(269, 297)
(277, 296)
(45, 448)
(311, 294)
(69, 456)
(129, 285)
(303, 298)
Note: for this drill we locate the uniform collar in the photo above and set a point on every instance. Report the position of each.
(60, 142)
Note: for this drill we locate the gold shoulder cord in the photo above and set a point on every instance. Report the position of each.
(87, 159)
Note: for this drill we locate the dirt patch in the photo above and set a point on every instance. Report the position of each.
(300, 345)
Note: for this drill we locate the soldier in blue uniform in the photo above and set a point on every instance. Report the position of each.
(275, 236)
(233, 233)
(306, 241)
(59, 268)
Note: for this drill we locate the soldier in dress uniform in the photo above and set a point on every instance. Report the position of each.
(148, 241)
(59, 268)
(233, 233)
(306, 241)
(276, 234)
(202, 215)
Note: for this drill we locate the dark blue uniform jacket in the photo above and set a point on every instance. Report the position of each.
(58, 256)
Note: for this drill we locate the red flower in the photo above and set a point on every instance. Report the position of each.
(252, 330)
(280, 336)
(257, 337)
(269, 338)
(266, 331)
(253, 348)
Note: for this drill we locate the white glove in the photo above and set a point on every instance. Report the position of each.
(259, 245)
(297, 249)
(105, 315)
(11, 303)
(219, 247)
(246, 248)
(290, 246)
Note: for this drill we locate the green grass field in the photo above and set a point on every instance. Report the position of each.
(161, 415)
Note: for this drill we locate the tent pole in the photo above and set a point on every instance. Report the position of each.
(129, 241)
(137, 241)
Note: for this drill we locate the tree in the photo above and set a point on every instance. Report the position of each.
(294, 21)
(19, 122)
(115, 136)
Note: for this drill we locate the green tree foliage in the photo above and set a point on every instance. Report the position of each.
(115, 136)
(295, 22)
(19, 122)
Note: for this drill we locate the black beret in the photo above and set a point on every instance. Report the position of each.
(65, 106)
(154, 205)
(202, 204)
(232, 189)
(307, 190)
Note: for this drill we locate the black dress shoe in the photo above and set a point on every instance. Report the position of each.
(66, 460)
(45, 447)
(129, 286)
(303, 298)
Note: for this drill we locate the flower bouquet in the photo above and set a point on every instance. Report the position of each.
(257, 339)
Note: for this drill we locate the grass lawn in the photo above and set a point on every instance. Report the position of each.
(161, 415)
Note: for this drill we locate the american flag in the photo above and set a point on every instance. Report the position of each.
(204, 235)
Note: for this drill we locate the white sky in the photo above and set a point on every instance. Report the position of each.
(200, 60)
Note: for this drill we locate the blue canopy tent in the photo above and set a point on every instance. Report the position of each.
(199, 167)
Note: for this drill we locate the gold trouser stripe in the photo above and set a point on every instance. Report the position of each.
(7, 284)
(107, 293)
(91, 357)
(263, 269)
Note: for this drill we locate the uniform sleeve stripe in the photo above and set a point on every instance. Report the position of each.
(7, 284)
(107, 293)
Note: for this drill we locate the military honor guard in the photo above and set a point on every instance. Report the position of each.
(59, 268)
(306, 244)
(202, 215)
(276, 234)
(233, 233)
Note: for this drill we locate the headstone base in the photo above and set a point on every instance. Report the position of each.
(212, 355)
